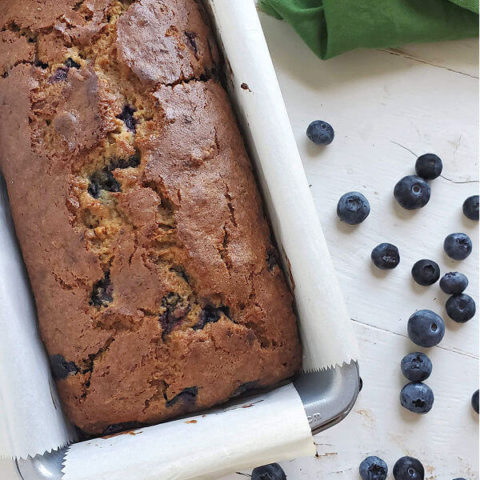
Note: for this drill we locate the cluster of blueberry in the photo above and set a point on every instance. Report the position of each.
(405, 468)
(425, 328)
(417, 397)
(372, 468)
(460, 306)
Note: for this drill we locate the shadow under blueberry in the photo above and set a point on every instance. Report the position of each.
(313, 150)
(345, 227)
(420, 289)
(378, 272)
(467, 223)
(453, 265)
(473, 413)
(452, 324)
(401, 212)
(407, 415)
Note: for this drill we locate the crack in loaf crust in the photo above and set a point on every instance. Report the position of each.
(155, 279)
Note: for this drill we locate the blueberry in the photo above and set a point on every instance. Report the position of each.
(127, 117)
(373, 468)
(245, 387)
(102, 180)
(132, 161)
(188, 396)
(453, 283)
(426, 328)
(175, 310)
(61, 368)
(475, 401)
(408, 468)
(426, 272)
(71, 63)
(40, 64)
(417, 397)
(272, 259)
(461, 307)
(60, 75)
(429, 166)
(412, 192)
(269, 472)
(385, 256)
(121, 427)
(458, 246)
(353, 208)
(416, 366)
(191, 41)
(102, 292)
(470, 207)
(210, 314)
(320, 132)
(459, 478)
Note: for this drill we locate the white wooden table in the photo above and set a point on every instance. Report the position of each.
(384, 105)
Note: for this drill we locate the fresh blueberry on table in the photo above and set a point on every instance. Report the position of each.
(416, 366)
(417, 397)
(475, 401)
(461, 308)
(459, 478)
(429, 166)
(412, 192)
(373, 468)
(385, 256)
(453, 283)
(408, 468)
(320, 132)
(353, 208)
(426, 272)
(273, 471)
(458, 246)
(426, 328)
(470, 207)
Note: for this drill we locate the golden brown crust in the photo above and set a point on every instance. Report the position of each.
(142, 229)
(172, 34)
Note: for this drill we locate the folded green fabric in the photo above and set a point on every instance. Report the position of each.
(331, 27)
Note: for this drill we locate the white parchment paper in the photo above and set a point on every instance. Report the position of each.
(258, 431)
(275, 427)
(327, 336)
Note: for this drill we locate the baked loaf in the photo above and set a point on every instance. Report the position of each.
(156, 282)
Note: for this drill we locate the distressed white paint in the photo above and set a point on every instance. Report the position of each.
(424, 98)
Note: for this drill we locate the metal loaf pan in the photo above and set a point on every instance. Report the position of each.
(327, 395)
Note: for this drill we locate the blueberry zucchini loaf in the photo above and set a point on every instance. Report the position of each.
(156, 282)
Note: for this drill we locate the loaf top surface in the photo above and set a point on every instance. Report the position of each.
(157, 285)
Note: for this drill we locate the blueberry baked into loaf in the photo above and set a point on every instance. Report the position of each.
(156, 282)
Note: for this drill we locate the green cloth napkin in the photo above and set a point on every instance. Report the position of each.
(331, 27)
